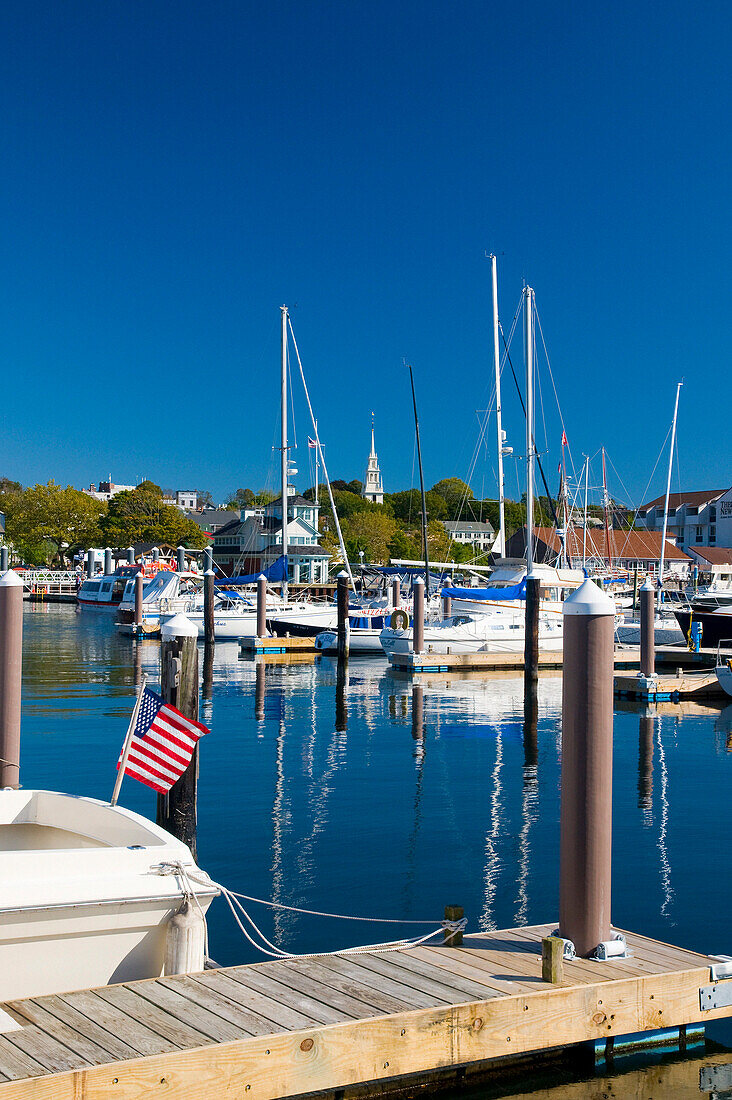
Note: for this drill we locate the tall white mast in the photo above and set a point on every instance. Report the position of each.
(284, 447)
(584, 524)
(317, 503)
(529, 353)
(497, 366)
(668, 492)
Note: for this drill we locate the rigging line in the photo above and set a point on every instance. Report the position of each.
(291, 395)
(556, 395)
(536, 454)
(650, 479)
(537, 374)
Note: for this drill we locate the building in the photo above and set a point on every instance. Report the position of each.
(699, 518)
(253, 541)
(628, 550)
(107, 489)
(211, 520)
(373, 487)
(714, 563)
(481, 536)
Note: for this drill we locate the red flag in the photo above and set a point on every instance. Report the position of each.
(312, 443)
(162, 743)
(564, 438)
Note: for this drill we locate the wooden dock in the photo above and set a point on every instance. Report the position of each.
(490, 662)
(292, 1027)
(252, 647)
(693, 686)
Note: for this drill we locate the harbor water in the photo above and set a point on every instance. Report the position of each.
(368, 796)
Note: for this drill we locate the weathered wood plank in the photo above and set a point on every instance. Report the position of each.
(173, 1000)
(413, 976)
(353, 969)
(282, 1016)
(139, 1008)
(293, 976)
(143, 1039)
(75, 1040)
(113, 1045)
(318, 1012)
(452, 962)
(44, 1049)
(211, 999)
(420, 963)
(15, 1064)
(360, 990)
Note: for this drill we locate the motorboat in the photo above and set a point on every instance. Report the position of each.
(106, 591)
(167, 594)
(666, 630)
(723, 670)
(84, 902)
(364, 631)
(499, 631)
(716, 623)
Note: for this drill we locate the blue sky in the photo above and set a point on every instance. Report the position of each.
(173, 172)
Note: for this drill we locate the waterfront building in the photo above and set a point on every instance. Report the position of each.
(470, 532)
(627, 550)
(373, 488)
(252, 542)
(698, 518)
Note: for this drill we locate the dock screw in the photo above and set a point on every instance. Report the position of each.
(386, 1065)
(115, 1080)
(403, 1031)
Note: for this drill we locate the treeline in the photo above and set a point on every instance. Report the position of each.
(49, 524)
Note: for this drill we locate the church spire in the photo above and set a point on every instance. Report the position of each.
(373, 488)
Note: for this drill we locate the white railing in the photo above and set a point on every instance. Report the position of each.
(42, 578)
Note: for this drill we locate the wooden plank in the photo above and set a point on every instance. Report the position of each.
(420, 963)
(71, 1037)
(350, 967)
(383, 1047)
(221, 1005)
(173, 1000)
(15, 1064)
(316, 1011)
(137, 1035)
(44, 1049)
(362, 992)
(437, 991)
(282, 1016)
(137, 1007)
(63, 1012)
(292, 975)
(454, 963)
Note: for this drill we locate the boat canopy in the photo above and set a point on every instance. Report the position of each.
(510, 592)
(275, 572)
(163, 586)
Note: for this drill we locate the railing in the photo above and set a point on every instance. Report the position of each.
(42, 578)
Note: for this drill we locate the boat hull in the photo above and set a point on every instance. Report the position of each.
(717, 625)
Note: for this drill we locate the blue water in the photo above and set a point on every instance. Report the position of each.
(332, 800)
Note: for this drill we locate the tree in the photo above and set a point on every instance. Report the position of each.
(151, 487)
(455, 493)
(371, 532)
(205, 500)
(48, 521)
(139, 515)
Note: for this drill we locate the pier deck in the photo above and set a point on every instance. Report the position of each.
(290, 1027)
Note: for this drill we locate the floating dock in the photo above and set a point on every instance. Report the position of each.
(293, 1027)
(251, 647)
(693, 686)
(490, 662)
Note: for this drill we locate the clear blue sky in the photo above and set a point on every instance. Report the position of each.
(174, 171)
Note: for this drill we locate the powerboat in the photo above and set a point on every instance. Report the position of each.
(716, 623)
(168, 593)
(84, 902)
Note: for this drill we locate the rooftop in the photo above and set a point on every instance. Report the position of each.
(697, 497)
(641, 545)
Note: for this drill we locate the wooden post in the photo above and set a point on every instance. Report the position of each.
(446, 607)
(208, 596)
(207, 680)
(342, 602)
(11, 676)
(453, 912)
(4, 559)
(179, 684)
(181, 559)
(552, 960)
(261, 606)
(647, 629)
(130, 555)
(418, 616)
(396, 592)
(585, 845)
(635, 586)
(139, 583)
(531, 714)
(108, 561)
(531, 628)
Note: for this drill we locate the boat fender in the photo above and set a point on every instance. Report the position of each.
(185, 940)
(399, 619)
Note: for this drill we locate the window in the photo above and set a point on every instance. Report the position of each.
(712, 513)
(699, 534)
(712, 535)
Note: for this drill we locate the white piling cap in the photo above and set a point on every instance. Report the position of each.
(261, 577)
(419, 580)
(588, 599)
(180, 626)
(343, 574)
(648, 583)
(10, 579)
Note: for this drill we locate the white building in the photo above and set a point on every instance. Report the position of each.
(697, 518)
(470, 532)
(373, 488)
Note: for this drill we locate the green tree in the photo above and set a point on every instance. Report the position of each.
(139, 515)
(371, 532)
(48, 522)
(151, 487)
(455, 493)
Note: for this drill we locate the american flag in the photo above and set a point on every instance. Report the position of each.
(312, 443)
(162, 743)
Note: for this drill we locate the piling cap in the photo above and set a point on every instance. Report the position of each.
(180, 626)
(261, 577)
(588, 599)
(10, 579)
(342, 574)
(648, 584)
(419, 580)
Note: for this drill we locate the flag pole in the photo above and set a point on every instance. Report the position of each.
(128, 742)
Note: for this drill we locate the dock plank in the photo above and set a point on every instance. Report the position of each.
(283, 1017)
(294, 976)
(253, 978)
(138, 1007)
(217, 1003)
(420, 963)
(77, 1041)
(384, 1002)
(175, 1001)
(45, 1050)
(410, 976)
(15, 1064)
(105, 1039)
(137, 1035)
(352, 968)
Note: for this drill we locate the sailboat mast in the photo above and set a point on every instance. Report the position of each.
(316, 465)
(668, 492)
(499, 431)
(284, 447)
(584, 522)
(421, 487)
(605, 506)
(529, 353)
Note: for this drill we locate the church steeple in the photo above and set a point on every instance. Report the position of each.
(373, 488)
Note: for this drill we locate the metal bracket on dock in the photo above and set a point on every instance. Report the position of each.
(718, 995)
(616, 948)
(568, 951)
(716, 1079)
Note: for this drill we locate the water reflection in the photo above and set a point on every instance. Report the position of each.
(645, 766)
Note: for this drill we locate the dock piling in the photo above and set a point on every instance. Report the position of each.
(531, 628)
(11, 675)
(108, 568)
(585, 846)
(261, 606)
(259, 688)
(341, 710)
(179, 683)
(90, 563)
(645, 762)
(208, 597)
(418, 616)
(181, 552)
(342, 603)
(453, 913)
(417, 712)
(130, 555)
(4, 559)
(396, 593)
(139, 583)
(446, 607)
(647, 631)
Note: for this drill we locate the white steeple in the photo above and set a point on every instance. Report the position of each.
(373, 488)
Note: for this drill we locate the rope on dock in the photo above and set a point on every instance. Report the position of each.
(266, 947)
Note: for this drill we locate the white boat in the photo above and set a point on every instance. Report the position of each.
(167, 594)
(106, 591)
(666, 630)
(82, 902)
(724, 669)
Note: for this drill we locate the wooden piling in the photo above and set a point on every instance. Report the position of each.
(647, 628)
(4, 559)
(585, 847)
(139, 584)
(208, 597)
(130, 555)
(531, 630)
(261, 606)
(342, 604)
(181, 553)
(418, 616)
(396, 592)
(453, 912)
(446, 607)
(11, 675)
(179, 683)
(552, 960)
